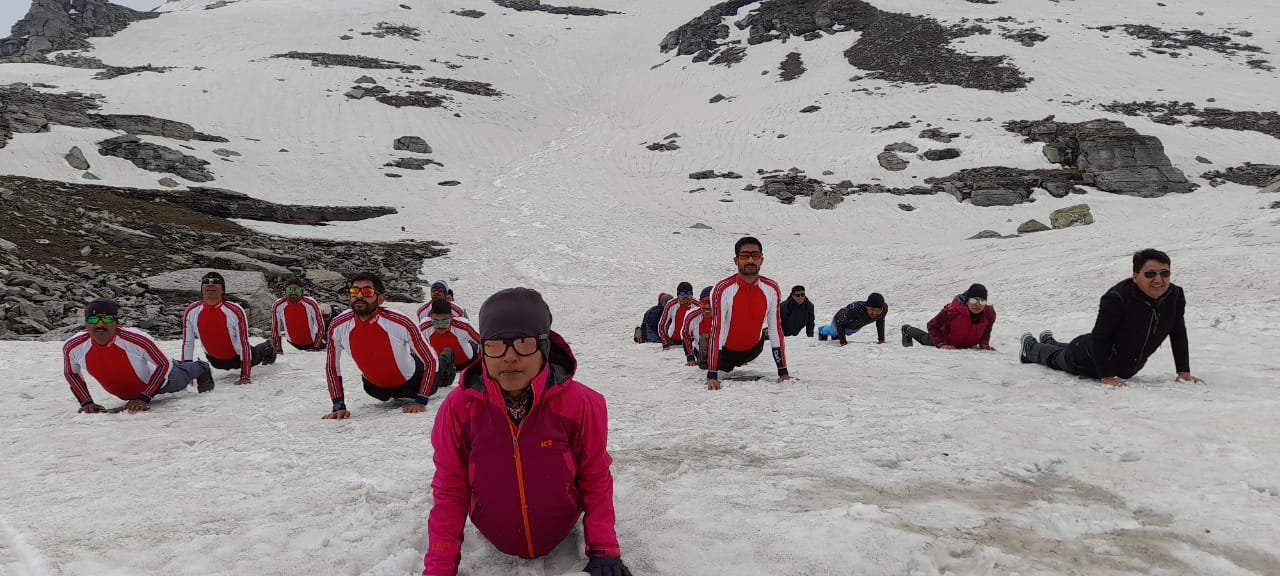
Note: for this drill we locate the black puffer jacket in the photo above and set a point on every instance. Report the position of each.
(1129, 329)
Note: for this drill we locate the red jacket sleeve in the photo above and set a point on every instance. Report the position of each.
(595, 481)
(450, 490)
(940, 325)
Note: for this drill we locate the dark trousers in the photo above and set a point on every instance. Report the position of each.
(413, 386)
(730, 359)
(307, 348)
(264, 353)
(918, 335)
(1055, 355)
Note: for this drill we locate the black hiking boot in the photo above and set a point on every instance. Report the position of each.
(906, 338)
(269, 357)
(204, 382)
(1028, 344)
(1046, 337)
(821, 336)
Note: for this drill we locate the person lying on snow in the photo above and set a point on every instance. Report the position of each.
(521, 446)
(964, 323)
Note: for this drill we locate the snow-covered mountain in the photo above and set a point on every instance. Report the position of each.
(561, 145)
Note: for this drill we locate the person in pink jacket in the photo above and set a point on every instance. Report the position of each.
(520, 446)
(964, 323)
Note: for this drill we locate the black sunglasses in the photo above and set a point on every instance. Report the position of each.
(1153, 274)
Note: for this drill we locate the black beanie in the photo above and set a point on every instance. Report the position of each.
(684, 287)
(976, 291)
(875, 300)
(102, 306)
(514, 313)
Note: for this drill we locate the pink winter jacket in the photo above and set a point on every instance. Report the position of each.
(523, 487)
(954, 325)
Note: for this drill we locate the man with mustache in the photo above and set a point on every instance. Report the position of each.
(440, 292)
(126, 362)
(222, 327)
(394, 360)
(740, 305)
(697, 331)
(671, 323)
(298, 317)
(1134, 318)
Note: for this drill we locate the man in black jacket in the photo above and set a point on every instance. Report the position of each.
(1134, 318)
(797, 313)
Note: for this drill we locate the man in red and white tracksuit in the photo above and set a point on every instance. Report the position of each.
(697, 331)
(740, 305)
(440, 292)
(395, 361)
(222, 327)
(453, 338)
(298, 317)
(671, 323)
(126, 362)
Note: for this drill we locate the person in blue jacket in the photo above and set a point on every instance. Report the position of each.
(647, 331)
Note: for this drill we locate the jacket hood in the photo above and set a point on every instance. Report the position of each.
(559, 368)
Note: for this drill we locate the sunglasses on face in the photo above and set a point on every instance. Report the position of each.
(366, 291)
(100, 319)
(293, 290)
(751, 255)
(1152, 274)
(441, 321)
(979, 301)
(684, 294)
(526, 346)
(208, 281)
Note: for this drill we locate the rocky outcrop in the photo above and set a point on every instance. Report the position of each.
(411, 144)
(76, 159)
(24, 109)
(941, 154)
(348, 60)
(230, 204)
(1108, 155)
(894, 46)
(65, 25)
(892, 162)
(1078, 215)
(1032, 226)
(78, 242)
(538, 6)
(156, 158)
(1256, 175)
(1172, 113)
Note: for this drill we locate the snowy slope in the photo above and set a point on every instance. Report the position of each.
(879, 460)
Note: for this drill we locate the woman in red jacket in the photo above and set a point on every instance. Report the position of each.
(520, 446)
(964, 323)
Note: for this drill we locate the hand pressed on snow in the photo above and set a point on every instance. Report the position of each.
(713, 384)
(1187, 377)
(243, 380)
(784, 378)
(1113, 381)
(610, 566)
(92, 409)
(947, 347)
(415, 408)
(133, 406)
(337, 415)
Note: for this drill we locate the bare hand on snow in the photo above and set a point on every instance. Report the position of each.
(337, 415)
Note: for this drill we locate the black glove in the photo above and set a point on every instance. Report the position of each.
(606, 567)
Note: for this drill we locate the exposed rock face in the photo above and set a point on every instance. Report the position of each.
(1032, 226)
(1172, 113)
(825, 199)
(230, 204)
(468, 13)
(1256, 175)
(352, 61)
(79, 242)
(904, 147)
(895, 46)
(66, 25)
(76, 159)
(464, 86)
(1108, 155)
(156, 158)
(941, 154)
(1078, 215)
(892, 162)
(996, 197)
(412, 144)
(26, 110)
(537, 5)
(985, 234)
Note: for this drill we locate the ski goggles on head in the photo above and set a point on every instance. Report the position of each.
(979, 301)
(100, 319)
(1153, 274)
(526, 346)
(441, 321)
(366, 291)
(293, 290)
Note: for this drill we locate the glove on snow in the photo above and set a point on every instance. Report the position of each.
(606, 567)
